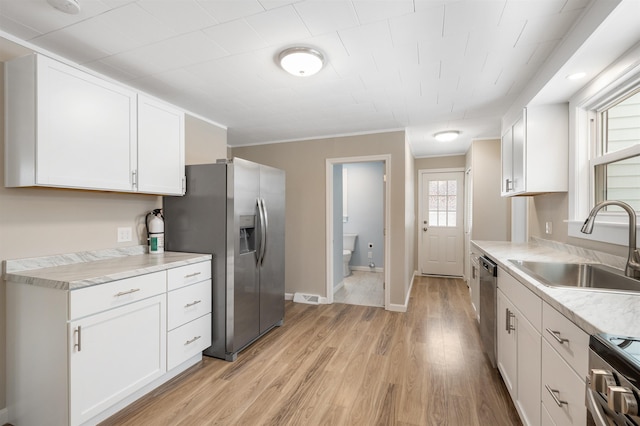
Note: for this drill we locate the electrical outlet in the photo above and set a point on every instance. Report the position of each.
(548, 227)
(370, 255)
(124, 234)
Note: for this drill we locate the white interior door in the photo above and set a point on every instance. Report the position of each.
(441, 230)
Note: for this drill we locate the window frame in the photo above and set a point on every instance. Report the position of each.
(618, 80)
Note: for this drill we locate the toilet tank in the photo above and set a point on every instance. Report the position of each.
(349, 241)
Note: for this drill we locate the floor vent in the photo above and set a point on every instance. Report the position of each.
(312, 299)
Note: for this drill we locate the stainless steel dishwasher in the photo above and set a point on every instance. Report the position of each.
(488, 294)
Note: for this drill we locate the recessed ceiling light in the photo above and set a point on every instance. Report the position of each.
(301, 61)
(447, 135)
(71, 7)
(576, 76)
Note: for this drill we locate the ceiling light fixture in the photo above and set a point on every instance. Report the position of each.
(447, 135)
(301, 61)
(576, 76)
(71, 7)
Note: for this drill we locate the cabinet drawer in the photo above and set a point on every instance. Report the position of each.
(90, 300)
(188, 340)
(188, 303)
(524, 299)
(558, 376)
(188, 274)
(574, 348)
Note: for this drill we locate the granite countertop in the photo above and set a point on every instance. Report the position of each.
(592, 310)
(78, 270)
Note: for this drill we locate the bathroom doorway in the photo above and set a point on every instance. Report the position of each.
(357, 215)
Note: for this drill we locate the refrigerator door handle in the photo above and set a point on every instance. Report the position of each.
(260, 248)
(265, 227)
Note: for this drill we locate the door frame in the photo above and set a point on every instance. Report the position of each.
(421, 174)
(330, 162)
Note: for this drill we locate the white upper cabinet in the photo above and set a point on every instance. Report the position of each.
(535, 152)
(160, 147)
(70, 129)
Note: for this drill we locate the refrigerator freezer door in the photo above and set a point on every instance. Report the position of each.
(272, 191)
(243, 289)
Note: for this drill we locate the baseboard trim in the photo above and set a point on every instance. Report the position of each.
(366, 269)
(393, 307)
(4, 416)
(339, 286)
(288, 296)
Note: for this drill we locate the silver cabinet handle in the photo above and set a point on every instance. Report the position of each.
(122, 293)
(507, 185)
(78, 333)
(556, 336)
(195, 274)
(508, 326)
(188, 342)
(195, 302)
(557, 400)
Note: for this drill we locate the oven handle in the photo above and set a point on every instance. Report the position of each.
(594, 408)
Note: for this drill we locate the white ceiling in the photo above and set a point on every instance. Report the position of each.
(419, 65)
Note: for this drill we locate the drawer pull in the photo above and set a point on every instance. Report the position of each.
(195, 274)
(556, 335)
(195, 302)
(78, 333)
(122, 293)
(557, 400)
(188, 342)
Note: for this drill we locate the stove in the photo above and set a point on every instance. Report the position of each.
(613, 385)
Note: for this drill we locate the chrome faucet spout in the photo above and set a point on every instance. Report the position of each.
(633, 260)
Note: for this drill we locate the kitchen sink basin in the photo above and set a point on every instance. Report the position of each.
(578, 275)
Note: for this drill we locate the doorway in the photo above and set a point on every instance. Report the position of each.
(358, 213)
(441, 226)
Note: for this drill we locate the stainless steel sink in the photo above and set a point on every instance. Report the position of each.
(578, 275)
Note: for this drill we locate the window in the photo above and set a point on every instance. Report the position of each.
(605, 149)
(443, 203)
(616, 165)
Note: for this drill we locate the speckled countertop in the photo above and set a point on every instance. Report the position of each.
(78, 270)
(593, 311)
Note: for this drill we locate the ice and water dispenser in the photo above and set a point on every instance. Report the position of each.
(247, 233)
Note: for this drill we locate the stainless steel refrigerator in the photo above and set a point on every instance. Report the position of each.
(235, 210)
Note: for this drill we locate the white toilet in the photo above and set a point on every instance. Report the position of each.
(348, 246)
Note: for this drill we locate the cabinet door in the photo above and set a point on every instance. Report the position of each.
(506, 324)
(506, 186)
(529, 371)
(115, 353)
(519, 145)
(160, 147)
(86, 130)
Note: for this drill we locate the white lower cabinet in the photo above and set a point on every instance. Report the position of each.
(114, 353)
(562, 390)
(76, 357)
(518, 345)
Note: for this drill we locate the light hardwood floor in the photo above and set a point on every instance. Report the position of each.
(346, 365)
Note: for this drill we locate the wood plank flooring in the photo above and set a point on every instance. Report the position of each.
(346, 365)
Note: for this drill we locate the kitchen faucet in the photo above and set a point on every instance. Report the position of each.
(633, 261)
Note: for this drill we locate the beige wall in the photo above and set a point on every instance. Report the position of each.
(207, 142)
(554, 208)
(305, 165)
(491, 212)
(37, 222)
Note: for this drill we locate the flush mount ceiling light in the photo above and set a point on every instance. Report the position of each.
(71, 7)
(447, 135)
(576, 76)
(301, 61)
